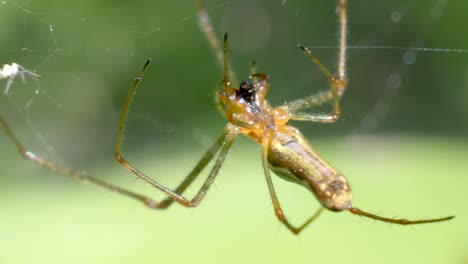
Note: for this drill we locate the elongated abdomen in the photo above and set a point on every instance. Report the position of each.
(291, 157)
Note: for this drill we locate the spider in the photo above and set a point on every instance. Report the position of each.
(284, 150)
(10, 71)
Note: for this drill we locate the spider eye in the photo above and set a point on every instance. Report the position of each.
(247, 90)
(247, 85)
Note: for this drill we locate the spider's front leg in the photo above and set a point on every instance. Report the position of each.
(206, 26)
(335, 86)
(223, 144)
(337, 83)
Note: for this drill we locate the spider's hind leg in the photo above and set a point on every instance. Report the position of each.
(276, 204)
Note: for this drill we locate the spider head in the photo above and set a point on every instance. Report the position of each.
(251, 93)
(253, 90)
(246, 104)
(247, 91)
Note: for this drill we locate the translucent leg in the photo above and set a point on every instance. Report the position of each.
(52, 166)
(357, 211)
(207, 28)
(195, 171)
(253, 69)
(276, 204)
(337, 84)
(219, 105)
(224, 142)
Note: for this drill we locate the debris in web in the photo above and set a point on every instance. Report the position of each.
(13, 70)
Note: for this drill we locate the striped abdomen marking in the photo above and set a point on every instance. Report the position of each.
(292, 158)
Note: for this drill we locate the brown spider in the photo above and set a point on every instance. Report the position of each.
(285, 150)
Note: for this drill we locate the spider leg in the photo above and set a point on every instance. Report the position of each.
(253, 68)
(227, 78)
(206, 26)
(357, 211)
(276, 204)
(227, 88)
(337, 83)
(218, 104)
(144, 199)
(54, 167)
(224, 143)
(9, 83)
(195, 171)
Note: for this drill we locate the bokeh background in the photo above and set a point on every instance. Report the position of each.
(402, 141)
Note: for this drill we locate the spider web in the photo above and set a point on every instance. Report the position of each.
(404, 60)
(407, 71)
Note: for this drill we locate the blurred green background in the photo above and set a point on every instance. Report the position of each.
(402, 141)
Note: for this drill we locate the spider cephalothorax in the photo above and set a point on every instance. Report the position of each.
(246, 90)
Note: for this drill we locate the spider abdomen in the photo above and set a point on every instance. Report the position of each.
(292, 158)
